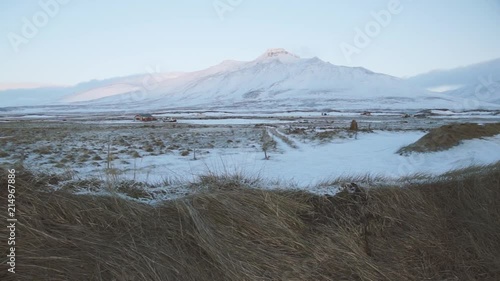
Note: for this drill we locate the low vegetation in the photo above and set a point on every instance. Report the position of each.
(448, 136)
(445, 228)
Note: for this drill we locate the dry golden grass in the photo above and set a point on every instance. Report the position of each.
(445, 137)
(442, 230)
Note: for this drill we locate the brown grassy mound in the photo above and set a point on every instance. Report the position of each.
(446, 230)
(445, 137)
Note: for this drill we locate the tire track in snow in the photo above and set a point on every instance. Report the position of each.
(283, 138)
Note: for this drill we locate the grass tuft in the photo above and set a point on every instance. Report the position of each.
(442, 229)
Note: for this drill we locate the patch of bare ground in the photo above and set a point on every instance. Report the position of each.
(448, 136)
(443, 229)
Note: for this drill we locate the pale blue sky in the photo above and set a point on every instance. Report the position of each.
(88, 39)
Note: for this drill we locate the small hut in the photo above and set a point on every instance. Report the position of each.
(145, 117)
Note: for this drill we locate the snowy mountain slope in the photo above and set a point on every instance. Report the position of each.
(452, 79)
(485, 91)
(475, 83)
(14, 86)
(280, 79)
(276, 80)
(31, 97)
(85, 91)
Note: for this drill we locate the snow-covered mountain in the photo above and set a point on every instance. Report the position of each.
(485, 90)
(460, 77)
(13, 86)
(275, 80)
(477, 83)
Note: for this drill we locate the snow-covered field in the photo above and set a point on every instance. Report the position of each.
(309, 152)
(231, 121)
(310, 164)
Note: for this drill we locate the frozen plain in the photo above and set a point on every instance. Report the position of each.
(310, 152)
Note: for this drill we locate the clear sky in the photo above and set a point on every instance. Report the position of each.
(95, 39)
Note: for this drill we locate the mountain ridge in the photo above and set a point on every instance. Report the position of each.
(276, 78)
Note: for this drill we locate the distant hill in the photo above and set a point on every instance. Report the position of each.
(459, 77)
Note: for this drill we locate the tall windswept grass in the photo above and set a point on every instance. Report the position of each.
(446, 229)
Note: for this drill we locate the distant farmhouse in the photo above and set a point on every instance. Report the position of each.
(145, 117)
